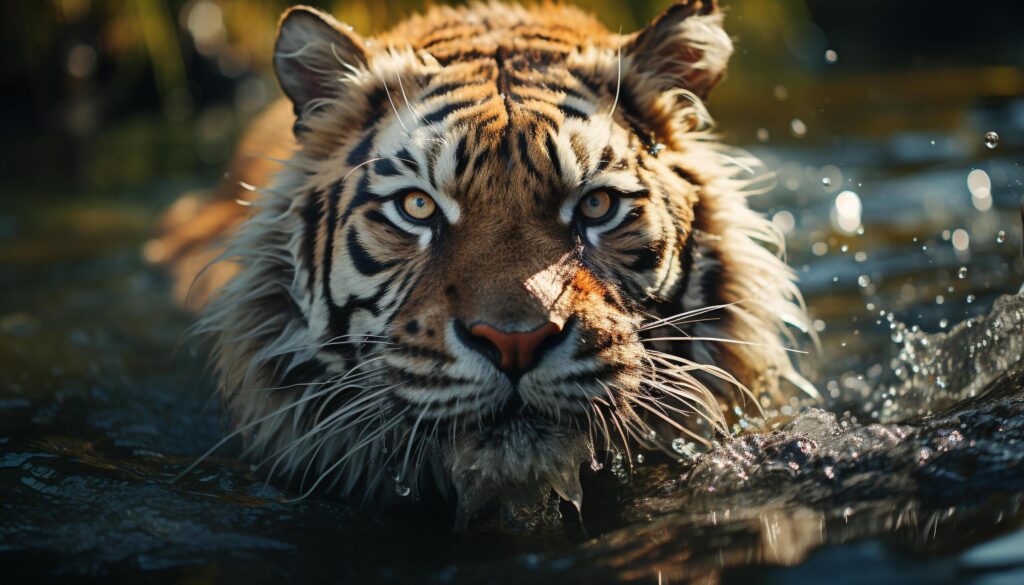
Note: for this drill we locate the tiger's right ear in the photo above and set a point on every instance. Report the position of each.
(313, 52)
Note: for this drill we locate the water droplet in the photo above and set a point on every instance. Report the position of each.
(863, 280)
(678, 445)
(944, 323)
(797, 127)
(402, 489)
(1000, 237)
(785, 221)
(763, 135)
(970, 299)
(961, 240)
(827, 181)
(831, 57)
(639, 458)
(962, 273)
(847, 212)
(991, 139)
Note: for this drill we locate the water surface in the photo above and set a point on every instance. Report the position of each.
(910, 470)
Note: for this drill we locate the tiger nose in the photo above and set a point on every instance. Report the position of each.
(518, 350)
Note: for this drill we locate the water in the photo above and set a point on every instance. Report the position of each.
(910, 470)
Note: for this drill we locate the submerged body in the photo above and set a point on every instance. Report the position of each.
(505, 245)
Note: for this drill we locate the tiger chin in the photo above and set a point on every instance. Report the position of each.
(502, 244)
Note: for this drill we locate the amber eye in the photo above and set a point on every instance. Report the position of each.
(419, 206)
(596, 205)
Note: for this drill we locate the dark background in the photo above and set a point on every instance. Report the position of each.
(109, 94)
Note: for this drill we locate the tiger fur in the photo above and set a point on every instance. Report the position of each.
(343, 326)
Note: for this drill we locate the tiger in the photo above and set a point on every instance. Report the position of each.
(501, 244)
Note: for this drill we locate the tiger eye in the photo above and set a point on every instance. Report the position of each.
(596, 204)
(419, 206)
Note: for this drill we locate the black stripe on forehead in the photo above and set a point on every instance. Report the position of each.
(556, 163)
(571, 112)
(443, 112)
(405, 157)
(607, 155)
(360, 153)
(433, 153)
(385, 167)
(447, 88)
(579, 149)
(481, 125)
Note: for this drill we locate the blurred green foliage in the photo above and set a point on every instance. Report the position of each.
(118, 92)
(133, 89)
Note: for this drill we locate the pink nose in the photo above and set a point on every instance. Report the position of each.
(518, 349)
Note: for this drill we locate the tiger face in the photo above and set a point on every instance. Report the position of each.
(488, 259)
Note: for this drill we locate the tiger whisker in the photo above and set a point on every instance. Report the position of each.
(241, 430)
(352, 451)
(342, 412)
(412, 435)
(393, 108)
(724, 340)
(618, 81)
(310, 456)
(405, 97)
(373, 160)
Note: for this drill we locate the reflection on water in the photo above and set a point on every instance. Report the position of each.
(913, 459)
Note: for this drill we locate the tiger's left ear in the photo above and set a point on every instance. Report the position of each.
(684, 48)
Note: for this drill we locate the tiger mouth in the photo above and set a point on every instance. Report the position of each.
(515, 417)
(517, 413)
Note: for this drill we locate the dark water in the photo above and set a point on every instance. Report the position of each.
(911, 470)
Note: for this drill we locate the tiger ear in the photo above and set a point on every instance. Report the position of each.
(312, 53)
(686, 47)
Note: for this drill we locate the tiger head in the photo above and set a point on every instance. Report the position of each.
(506, 246)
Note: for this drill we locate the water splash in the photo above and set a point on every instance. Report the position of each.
(929, 372)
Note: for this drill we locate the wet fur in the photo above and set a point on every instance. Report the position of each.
(326, 395)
